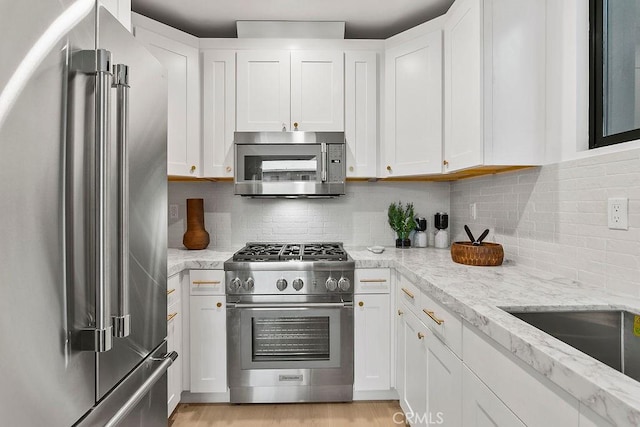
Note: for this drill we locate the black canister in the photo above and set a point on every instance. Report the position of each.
(441, 220)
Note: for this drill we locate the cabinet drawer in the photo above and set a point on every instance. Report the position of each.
(531, 396)
(442, 323)
(409, 295)
(372, 280)
(206, 282)
(173, 289)
(173, 311)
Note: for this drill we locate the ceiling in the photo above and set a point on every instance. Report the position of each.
(364, 19)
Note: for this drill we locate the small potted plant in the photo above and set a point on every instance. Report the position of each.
(402, 222)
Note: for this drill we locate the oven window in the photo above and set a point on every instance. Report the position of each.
(290, 338)
(280, 168)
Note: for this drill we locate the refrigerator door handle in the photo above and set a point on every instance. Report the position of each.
(98, 63)
(121, 322)
(167, 361)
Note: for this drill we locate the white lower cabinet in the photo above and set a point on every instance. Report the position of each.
(532, 398)
(174, 342)
(372, 355)
(208, 334)
(428, 375)
(481, 407)
(372, 332)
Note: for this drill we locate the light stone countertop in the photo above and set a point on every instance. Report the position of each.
(477, 294)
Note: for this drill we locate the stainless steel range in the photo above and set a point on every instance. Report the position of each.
(290, 323)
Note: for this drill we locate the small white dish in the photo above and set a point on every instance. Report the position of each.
(376, 249)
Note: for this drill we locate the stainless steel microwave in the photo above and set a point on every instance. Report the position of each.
(290, 164)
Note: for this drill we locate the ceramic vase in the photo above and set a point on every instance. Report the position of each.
(196, 237)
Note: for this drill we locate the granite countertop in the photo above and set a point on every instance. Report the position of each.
(477, 294)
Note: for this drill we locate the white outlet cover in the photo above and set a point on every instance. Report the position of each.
(618, 213)
(173, 212)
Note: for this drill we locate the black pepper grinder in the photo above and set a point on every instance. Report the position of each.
(441, 223)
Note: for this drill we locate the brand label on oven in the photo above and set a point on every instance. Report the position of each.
(289, 378)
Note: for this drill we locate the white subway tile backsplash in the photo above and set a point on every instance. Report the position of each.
(358, 218)
(555, 218)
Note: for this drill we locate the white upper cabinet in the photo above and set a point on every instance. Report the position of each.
(494, 74)
(317, 90)
(121, 9)
(361, 113)
(413, 143)
(218, 112)
(263, 89)
(180, 60)
(278, 88)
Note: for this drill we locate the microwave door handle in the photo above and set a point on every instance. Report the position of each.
(324, 159)
(121, 322)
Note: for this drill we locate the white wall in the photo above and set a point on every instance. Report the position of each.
(555, 218)
(357, 218)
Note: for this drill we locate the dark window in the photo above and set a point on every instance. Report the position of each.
(614, 75)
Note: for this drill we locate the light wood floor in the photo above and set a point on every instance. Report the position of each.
(369, 414)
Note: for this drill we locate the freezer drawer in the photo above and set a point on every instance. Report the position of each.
(150, 410)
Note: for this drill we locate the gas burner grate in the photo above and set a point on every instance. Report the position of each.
(264, 252)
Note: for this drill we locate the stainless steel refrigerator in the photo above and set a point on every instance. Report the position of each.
(83, 193)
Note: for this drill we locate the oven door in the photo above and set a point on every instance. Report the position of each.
(302, 350)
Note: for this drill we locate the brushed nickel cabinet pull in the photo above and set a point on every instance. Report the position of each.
(409, 294)
(433, 317)
(373, 280)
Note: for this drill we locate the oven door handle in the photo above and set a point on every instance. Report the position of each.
(292, 305)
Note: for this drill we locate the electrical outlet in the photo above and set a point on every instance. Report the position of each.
(473, 212)
(618, 213)
(173, 212)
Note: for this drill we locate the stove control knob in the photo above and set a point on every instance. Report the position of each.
(298, 284)
(281, 284)
(248, 284)
(344, 284)
(235, 284)
(331, 284)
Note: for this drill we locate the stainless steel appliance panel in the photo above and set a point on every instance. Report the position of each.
(284, 377)
(150, 406)
(290, 164)
(147, 204)
(45, 381)
(47, 162)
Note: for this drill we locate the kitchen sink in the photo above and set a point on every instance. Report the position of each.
(607, 336)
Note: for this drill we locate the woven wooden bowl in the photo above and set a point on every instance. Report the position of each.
(487, 254)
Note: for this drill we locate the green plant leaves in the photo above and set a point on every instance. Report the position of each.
(401, 218)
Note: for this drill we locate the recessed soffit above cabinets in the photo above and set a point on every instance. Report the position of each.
(364, 19)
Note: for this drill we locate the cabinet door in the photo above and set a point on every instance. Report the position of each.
(361, 113)
(263, 90)
(413, 145)
(218, 112)
(121, 9)
(174, 343)
(208, 344)
(401, 363)
(372, 342)
(463, 50)
(444, 383)
(481, 407)
(415, 376)
(317, 90)
(183, 80)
